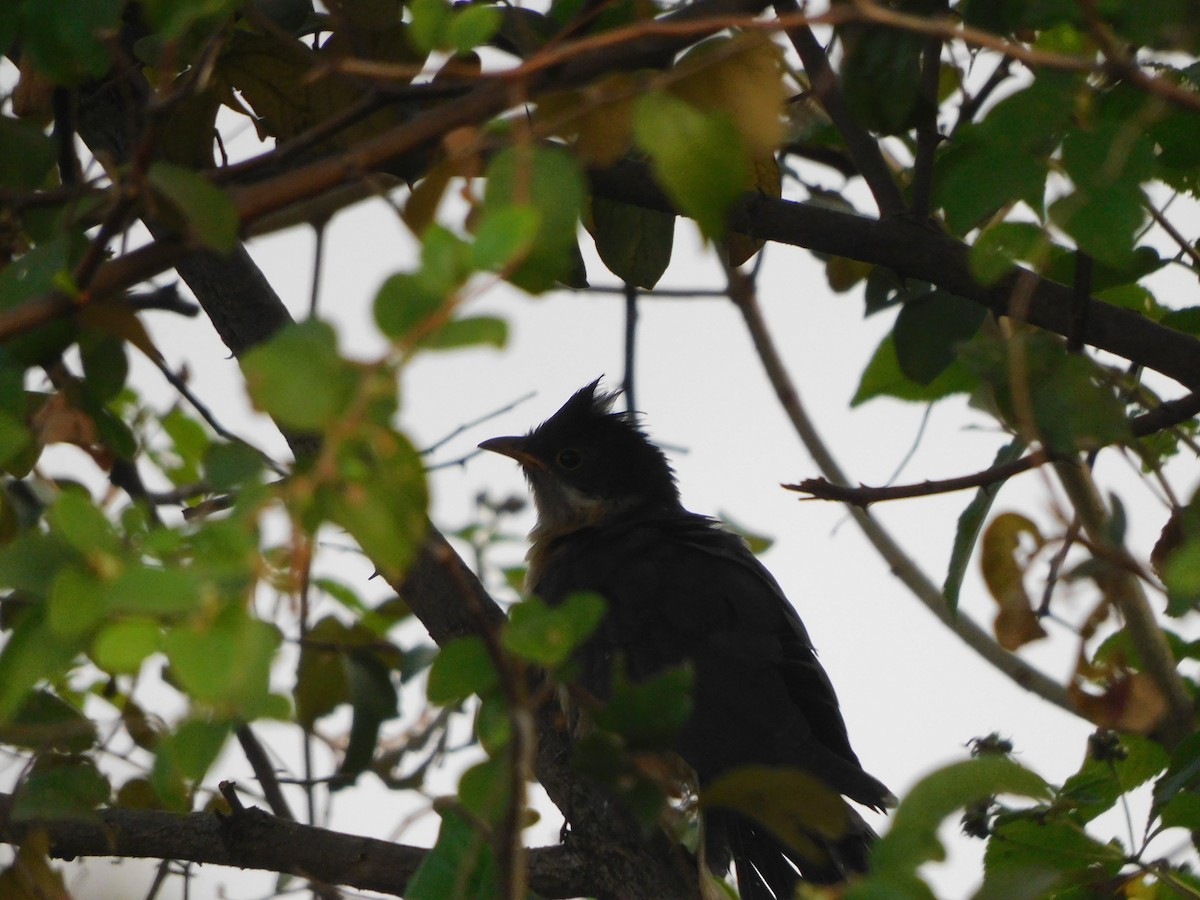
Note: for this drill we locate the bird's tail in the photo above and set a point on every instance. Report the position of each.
(768, 869)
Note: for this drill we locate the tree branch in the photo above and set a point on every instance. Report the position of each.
(901, 565)
(863, 149)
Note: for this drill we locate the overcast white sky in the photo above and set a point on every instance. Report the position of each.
(912, 693)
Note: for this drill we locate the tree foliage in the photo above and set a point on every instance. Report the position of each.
(1030, 165)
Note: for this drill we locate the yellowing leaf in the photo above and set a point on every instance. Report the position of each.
(1130, 703)
(743, 78)
(1003, 572)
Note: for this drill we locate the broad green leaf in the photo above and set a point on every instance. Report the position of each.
(32, 560)
(1103, 221)
(374, 700)
(26, 154)
(82, 524)
(503, 237)
(225, 663)
(970, 523)
(69, 40)
(883, 378)
(548, 635)
(59, 787)
(14, 438)
(32, 653)
(1026, 852)
(913, 837)
(105, 365)
(1002, 245)
(184, 756)
(485, 788)
(76, 602)
(155, 591)
(230, 465)
(122, 647)
(462, 667)
(320, 676)
(209, 213)
(471, 331)
(381, 499)
(697, 157)
(648, 714)
(47, 722)
(298, 377)
(1182, 577)
(460, 865)
(404, 305)
(472, 26)
(430, 24)
(880, 75)
(635, 243)
(928, 331)
(42, 271)
(1101, 783)
(549, 180)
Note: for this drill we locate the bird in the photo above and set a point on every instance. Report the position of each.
(682, 589)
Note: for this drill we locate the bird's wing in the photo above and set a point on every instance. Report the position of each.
(680, 588)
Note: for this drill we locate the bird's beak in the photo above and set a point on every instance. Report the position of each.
(514, 448)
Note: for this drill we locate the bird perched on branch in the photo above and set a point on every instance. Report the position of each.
(679, 588)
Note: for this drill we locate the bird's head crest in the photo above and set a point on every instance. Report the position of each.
(586, 454)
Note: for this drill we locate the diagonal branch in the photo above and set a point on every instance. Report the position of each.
(901, 565)
(863, 149)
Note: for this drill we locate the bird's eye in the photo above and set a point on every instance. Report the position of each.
(569, 458)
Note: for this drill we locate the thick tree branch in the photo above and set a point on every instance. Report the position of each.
(254, 839)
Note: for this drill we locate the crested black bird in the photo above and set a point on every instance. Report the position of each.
(680, 588)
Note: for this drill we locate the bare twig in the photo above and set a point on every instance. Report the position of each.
(898, 561)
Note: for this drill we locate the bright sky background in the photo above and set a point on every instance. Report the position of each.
(912, 693)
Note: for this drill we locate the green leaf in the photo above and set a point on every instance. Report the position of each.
(225, 663)
(928, 331)
(105, 365)
(883, 378)
(462, 667)
(209, 213)
(1103, 221)
(228, 466)
(1101, 783)
(47, 722)
(26, 154)
(472, 26)
(1046, 854)
(59, 788)
(697, 157)
(970, 523)
(548, 635)
(405, 302)
(459, 867)
(1183, 774)
(650, 713)
(32, 560)
(82, 524)
(122, 647)
(549, 180)
(430, 24)
(76, 602)
(635, 243)
(504, 236)
(381, 499)
(485, 788)
(14, 438)
(374, 700)
(33, 652)
(1002, 245)
(153, 591)
(880, 76)
(298, 377)
(184, 756)
(471, 331)
(69, 40)
(913, 838)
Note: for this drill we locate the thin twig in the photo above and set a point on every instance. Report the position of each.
(898, 561)
(928, 136)
(631, 323)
